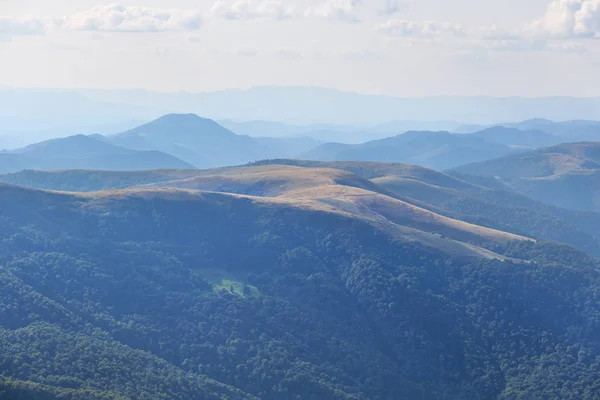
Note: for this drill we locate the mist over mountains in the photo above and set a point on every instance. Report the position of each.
(188, 140)
(47, 113)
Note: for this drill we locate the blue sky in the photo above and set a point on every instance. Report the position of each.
(402, 48)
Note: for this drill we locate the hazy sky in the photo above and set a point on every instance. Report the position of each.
(403, 48)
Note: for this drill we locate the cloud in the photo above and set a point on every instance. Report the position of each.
(248, 9)
(421, 29)
(569, 19)
(517, 45)
(343, 10)
(493, 32)
(490, 38)
(119, 18)
(13, 26)
(392, 7)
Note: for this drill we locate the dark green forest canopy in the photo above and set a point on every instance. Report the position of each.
(212, 296)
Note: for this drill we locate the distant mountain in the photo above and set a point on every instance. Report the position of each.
(84, 152)
(563, 128)
(320, 132)
(199, 141)
(518, 138)
(567, 175)
(347, 137)
(438, 150)
(100, 137)
(302, 105)
(334, 132)
(72, 147)
(53, 112)
(279, 129)
(583, 133)
(291, 147)
(396, 127)
(575, 130)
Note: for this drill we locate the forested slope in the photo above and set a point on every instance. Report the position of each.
(139, 294)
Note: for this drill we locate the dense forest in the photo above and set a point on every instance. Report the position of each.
(139, 295)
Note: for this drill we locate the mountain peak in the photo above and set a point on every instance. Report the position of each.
(76, 146)
(181, 123)
(198, 141)
(181, 117)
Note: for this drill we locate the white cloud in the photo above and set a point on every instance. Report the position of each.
(421, 29)
(493, 32)
(119, 18)
(10, 26)
(490, 38)
(569, 19)
(392, 7)
(247, 9)
(344, 10)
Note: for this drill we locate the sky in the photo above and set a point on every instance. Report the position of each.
(407, 48)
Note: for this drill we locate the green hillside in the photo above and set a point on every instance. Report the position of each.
(137, 293)
(566, 175)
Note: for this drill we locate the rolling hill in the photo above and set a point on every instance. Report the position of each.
(321, 282)
(287, 147)
(84, 152)
(72, 147)
(567, 131)
(437, 150)
(476, 200)
(566, 175)
(517, 138)
(479, 200)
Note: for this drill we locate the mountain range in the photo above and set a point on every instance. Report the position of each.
(189, 141)
(29, 115)
(566, 175)
(52, 109)
(349, 280)
(572, 130)
(173, 141)
(438, 150)
(86, 152)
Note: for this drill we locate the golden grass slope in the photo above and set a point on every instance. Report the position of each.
(547, 163)
(267, 181)
(325, 190)
(341, 192)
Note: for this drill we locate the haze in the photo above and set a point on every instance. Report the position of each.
(396, 48)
